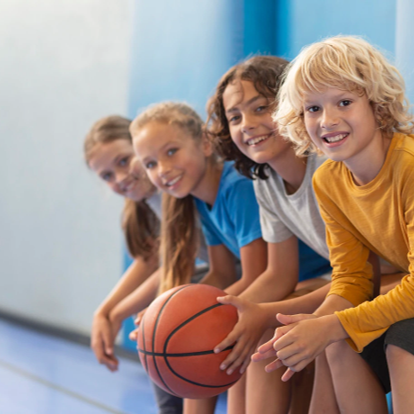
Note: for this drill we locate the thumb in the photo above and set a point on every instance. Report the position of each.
(232, 300)
(289, 319)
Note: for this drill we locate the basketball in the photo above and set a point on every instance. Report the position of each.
(177, 337)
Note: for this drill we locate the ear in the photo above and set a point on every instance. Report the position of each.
(207, 145)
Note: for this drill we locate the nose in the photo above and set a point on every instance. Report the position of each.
(120, 177)
(164, 168)
(329, 118)
(135, 168)
(248, 123)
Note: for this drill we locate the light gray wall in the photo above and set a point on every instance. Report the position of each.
(63, 65)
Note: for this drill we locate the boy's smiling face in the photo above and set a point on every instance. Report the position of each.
(342, 125)
(249, 116)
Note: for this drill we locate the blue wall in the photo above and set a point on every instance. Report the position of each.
(300, 22)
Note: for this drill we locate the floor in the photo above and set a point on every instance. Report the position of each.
(42, 374)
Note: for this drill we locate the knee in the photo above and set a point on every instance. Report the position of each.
(335, 352)
(395, 354)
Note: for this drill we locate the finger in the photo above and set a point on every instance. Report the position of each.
(231, 300)
(289, 319)
(258, 356)
(133, 336)
(266, 347)
(233, 337)
(110, 362)
(288, 374)
(246, 362)
(238, 359)
(107, 342)
(276, 364)
(282, 341)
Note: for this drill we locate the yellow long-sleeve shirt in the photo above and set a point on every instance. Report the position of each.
(378, 216)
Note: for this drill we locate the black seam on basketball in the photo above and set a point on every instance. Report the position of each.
(164, 355)
(208, 352)
(153, 337)
(142, 329)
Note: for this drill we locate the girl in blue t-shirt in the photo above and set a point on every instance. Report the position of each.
(169, 141)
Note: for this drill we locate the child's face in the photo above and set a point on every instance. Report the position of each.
(341, 124)
(252, 129)
(114, 162)
(174, 160)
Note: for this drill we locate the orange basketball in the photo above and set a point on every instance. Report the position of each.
(176, 339)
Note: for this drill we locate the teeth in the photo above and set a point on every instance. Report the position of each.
(256, 140)
(172, 182)
(336, 138)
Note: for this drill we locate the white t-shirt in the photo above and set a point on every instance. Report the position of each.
(283, 215)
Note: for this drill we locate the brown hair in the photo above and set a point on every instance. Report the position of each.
(179, 233)
(265, 72)
(139, 223)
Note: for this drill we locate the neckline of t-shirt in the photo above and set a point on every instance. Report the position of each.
(226, 166)
(310, 164)
(377, 181)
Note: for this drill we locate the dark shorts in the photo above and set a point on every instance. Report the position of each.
(400, 334)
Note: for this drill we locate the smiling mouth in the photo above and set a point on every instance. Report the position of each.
(173, 181)
(335, 138)
(256, 140)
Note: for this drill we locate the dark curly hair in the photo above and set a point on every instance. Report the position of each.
(265, 72)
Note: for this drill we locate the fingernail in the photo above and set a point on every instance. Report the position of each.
(229, 372)
(216, 350)
(222, 367)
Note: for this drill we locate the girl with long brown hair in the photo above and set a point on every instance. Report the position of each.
(170, 142)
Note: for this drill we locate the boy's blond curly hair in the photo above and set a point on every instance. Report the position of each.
(347, 63)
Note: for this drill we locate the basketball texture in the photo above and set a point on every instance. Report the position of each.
(177, 336)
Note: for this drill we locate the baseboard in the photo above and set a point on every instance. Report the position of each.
(61, 333)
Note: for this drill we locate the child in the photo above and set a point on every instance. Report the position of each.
(170, 143)
(109, 153)
(341, 97)
(242, 126)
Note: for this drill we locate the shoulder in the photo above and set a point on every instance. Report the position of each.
(232, 181)
(326, 169)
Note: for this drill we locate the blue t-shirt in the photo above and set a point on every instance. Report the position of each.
(234, 219)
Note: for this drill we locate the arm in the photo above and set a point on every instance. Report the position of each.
(138, 300)
(253, 259)
(222, 272)
(281, 275)
(103, 329)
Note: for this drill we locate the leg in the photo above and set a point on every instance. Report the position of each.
(401, 366)
(202, 406)
(399, 342)
(167, 403)
(236, 397)
(357, 387)
(301, 384)
(266, 393)
(323, 394)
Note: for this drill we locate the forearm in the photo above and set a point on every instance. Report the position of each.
(238, 287)
(138, 300)
(135, 275)
(268, 288)
(331, 304)
(216, 279)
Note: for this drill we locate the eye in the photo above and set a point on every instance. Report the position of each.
(150, 164)
(345, 102)
(234, 119)
(172, 151)
(107, 176)
(123, 162)
(313, 108)
(261, 108)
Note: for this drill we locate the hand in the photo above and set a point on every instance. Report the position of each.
(246, 333)
(302, 340)
(102, 342)
(133, 336)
